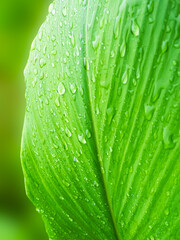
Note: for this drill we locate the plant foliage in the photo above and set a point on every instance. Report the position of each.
(101, 139)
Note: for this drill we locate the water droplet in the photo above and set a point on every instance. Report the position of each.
(67, 131)
(97, 110)
(53, 52)
(110, 114)
(168, 138)
(73, 87)
(64, 11)
(166, 211)
(81, 138)
(157, 90)
(177, 45)
(33, 46)
(95, 43)
(117, 24)
(88, 133)
(123, 49)
(42, 62)
(35, 71)
(51, 7)
(125, 77)
(149, 110)
(150, 6)
(61, 88)
(135, 28)
(41, 76)
(53, 38)
(75, 159)
(73, 43)
(164, 46)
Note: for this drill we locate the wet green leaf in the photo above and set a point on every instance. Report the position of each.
(101, 147)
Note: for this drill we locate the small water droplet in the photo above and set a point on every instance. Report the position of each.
(166, 211)
(73, 43)
(53, 52)
(168, 138)
(125, 77)
(67, 131)
(73, 87)
(123, 49)
(88, 133)
(35, 71)
(75, 159)
(61, 88)
(95, 43)
(135, 28)
(64, 11)
(41, 77)
(81, 138)
(110, 114)
(116, 25)
(42, 62)
(164, 46)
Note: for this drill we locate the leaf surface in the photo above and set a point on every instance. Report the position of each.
(100, 147)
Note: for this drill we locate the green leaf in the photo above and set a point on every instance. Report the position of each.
(101, 139)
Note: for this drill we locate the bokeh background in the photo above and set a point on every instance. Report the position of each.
(19, 23)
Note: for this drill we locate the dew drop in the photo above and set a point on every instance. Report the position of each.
(164, 46)
(149, 110)
(53, 52)
(88, 133)
(73, 87)
(116, 26)
(61, 88)
(95, 43)
(135, 28)
(123, 49)
(57, 102)
(150, 6)
(168, 138)
(42, 62)
(125, 77)
(166, 211)
(110, 114)
(35, 71)
(81, 138)
(41, 76)
(73, 43)
(67, 131)
(51, 7)
(64, 11)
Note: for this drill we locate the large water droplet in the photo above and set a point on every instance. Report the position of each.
(61, 88)
(149, 110)
(81, 138)
(135, 28)
(150, 6)
(168, 138)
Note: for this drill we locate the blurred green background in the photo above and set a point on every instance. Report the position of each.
(19, 23)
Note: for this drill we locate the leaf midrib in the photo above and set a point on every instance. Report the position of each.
(95, 138)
